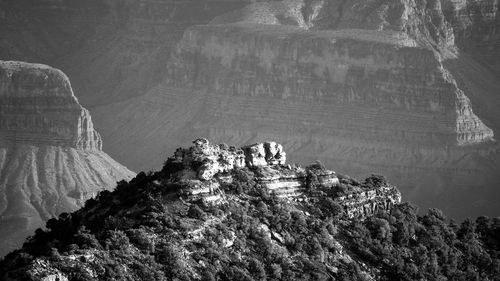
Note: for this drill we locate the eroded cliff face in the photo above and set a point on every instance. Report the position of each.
(37, 105)
(381, 73)
(50, 155)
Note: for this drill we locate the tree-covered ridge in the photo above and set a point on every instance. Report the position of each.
(143, 231)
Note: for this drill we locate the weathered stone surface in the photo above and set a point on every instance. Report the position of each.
(263, 154)
(37, 105)
(50, 155)
(366, 202)
(206, 182)
(205, 160)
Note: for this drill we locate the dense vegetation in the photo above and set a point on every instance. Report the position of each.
(141, 231)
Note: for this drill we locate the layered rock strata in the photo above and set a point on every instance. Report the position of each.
(114, 50)
(408, 121)
(367, 202)
(37, 105)
(475, 26)
(381, 74)
(199, 181)
(50, 155)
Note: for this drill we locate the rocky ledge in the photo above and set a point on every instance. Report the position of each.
(211, 173)
(37, 105)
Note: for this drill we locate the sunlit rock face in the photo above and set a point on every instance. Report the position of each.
(37, 105)
(211, 173)
(50, 155)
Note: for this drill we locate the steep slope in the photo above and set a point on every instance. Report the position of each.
(50, 155)
(217, 212)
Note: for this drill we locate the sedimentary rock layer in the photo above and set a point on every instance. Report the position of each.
(37, 105)
(382, 74)
(50, 155)
(210, 173)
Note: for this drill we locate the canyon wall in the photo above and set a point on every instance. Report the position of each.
(385, 100)
(476, 27)
(378, 73)
(50, 154)
(37, 105)
(118, 55)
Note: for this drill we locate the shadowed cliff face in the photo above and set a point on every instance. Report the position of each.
(50, 155)
(475, 25)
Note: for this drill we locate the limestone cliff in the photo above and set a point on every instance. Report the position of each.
(50, 155)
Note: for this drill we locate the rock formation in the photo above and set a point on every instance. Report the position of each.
(412, 85)
(210, 173)
(37, 105)
(50, 155)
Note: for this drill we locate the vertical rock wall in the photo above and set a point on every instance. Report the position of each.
(37, 105)
(380, 73)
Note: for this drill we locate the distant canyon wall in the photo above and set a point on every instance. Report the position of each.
(111, 50)
(476, 29)
(402, 90)
(37, 105)
(51, 159)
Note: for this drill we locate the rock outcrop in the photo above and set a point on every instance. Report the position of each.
(50, 154)
(210, 173)
(367, 202)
